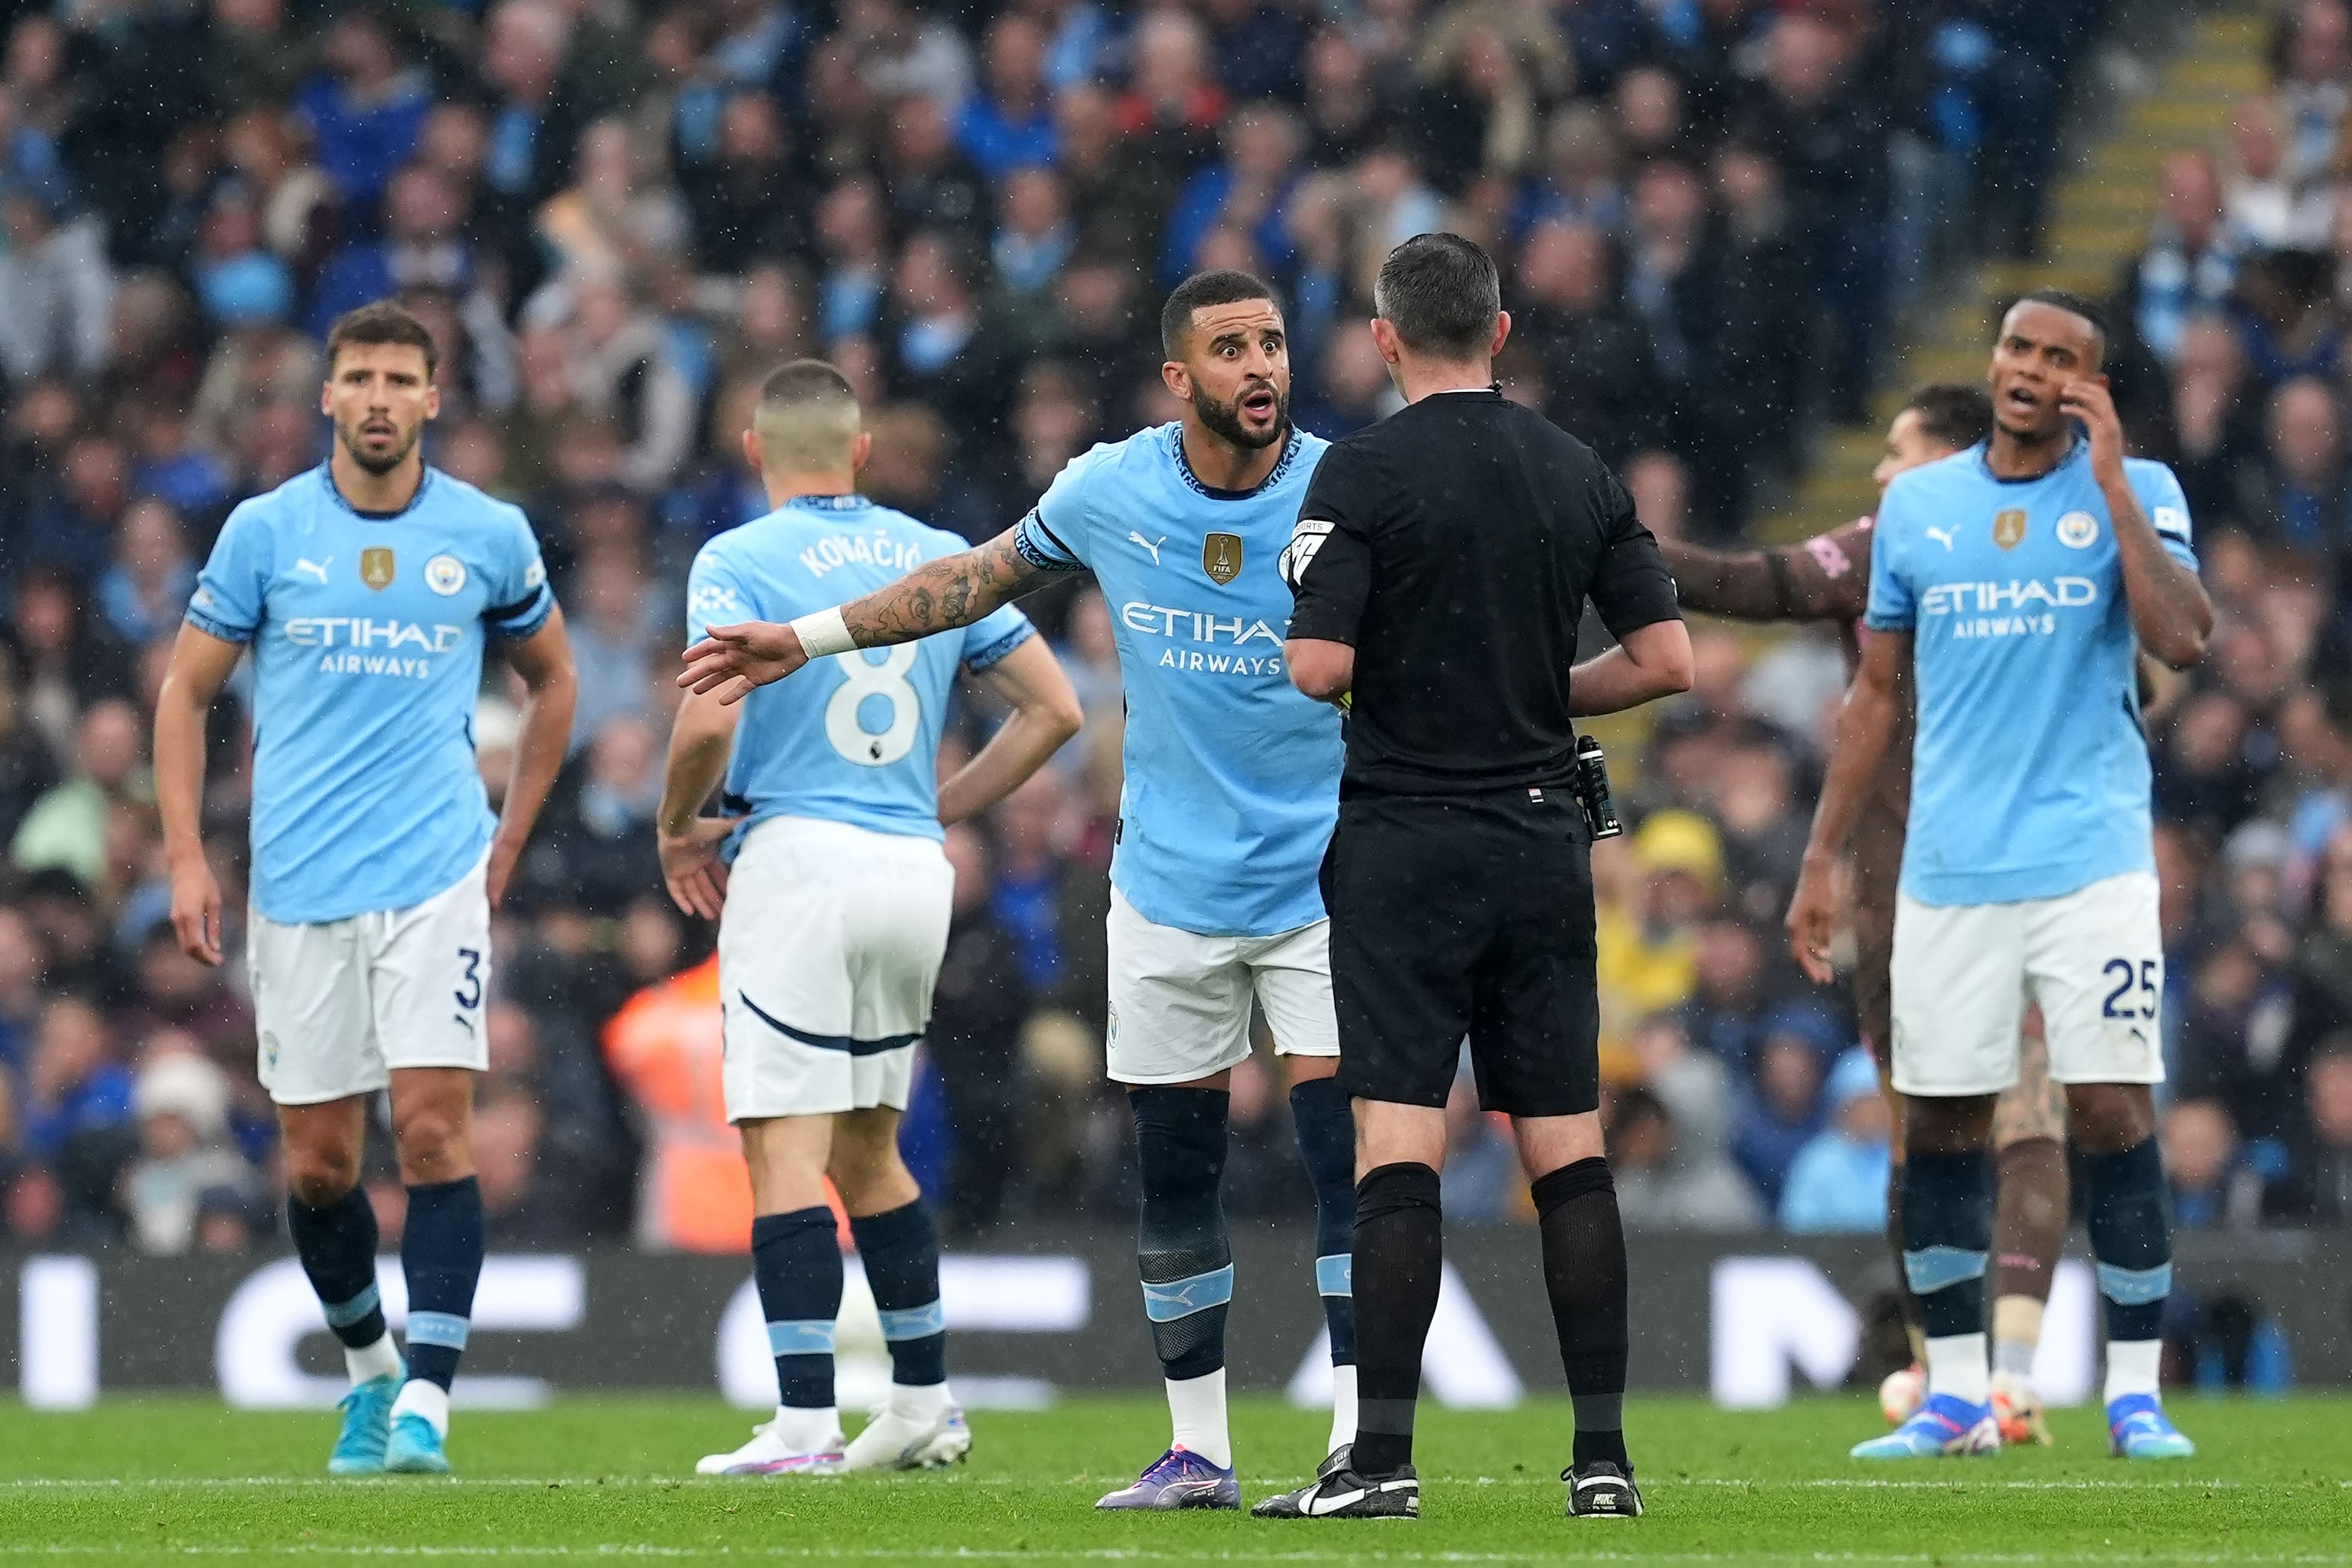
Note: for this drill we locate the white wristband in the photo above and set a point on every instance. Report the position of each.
(823, 633)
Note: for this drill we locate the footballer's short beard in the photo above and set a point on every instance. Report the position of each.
(379, 466)
(1224, 419)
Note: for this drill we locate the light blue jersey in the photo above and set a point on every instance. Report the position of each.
(855, 738)
(367, 634)
(2031, 773)
(1232, 778)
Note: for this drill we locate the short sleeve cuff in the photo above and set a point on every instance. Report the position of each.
(212, 626)
(1322, 623)
(1041, 548)
(985, 658)
(1889, 621)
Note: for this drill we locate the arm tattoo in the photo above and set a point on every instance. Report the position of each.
(941, 595)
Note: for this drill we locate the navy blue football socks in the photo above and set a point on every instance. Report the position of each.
(337, 1244)
(441, 1252)
(1327, 1140)
(796, 1264)
(1946, 1235)
(1186, 1258)
(901, 1250)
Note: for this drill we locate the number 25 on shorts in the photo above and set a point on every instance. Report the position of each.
(2134, 995)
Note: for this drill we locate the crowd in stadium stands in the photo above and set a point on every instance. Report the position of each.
(617, 219)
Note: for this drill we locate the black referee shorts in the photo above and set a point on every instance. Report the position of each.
(1466, 916)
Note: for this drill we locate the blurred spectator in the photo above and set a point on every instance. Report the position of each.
(364, 114)
(56, 285)
(1780, 1110)
(2213, 1187)
(67, 826)
(664, 1047)
(2190, 264)
(184, 1157)
(2318, 1186)
(973, 1043)
(1665, 1185)
(1482, 1179)
(145, 590)
(1838, 1182)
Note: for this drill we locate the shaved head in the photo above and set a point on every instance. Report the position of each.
(807, 421)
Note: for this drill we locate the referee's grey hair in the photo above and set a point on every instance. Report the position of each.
(1442, 294)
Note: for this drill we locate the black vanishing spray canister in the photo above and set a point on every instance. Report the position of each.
(1592, 789)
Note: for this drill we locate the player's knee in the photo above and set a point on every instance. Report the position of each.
(318, 1175)
(432, 1144)
(2108, 1118)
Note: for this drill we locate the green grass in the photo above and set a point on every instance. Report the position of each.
(141, 1478)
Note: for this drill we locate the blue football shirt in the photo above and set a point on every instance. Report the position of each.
(855, 738)
(1232, 778)
(366, 635)
(2029, 770)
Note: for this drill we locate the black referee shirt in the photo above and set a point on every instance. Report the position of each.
(1453, 546)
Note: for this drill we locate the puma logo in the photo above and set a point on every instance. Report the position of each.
(314, 567)
(1941, 536)
(1151, 545)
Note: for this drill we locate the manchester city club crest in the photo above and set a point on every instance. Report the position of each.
(444, 574)
(2078, 530)
(2009, 527)
(376, 568)
(1220, 558)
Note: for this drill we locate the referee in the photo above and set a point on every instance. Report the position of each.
(1440, 565)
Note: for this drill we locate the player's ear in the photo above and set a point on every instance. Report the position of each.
(751, 451)
(1384, 338)
(1502, 334)
(860, 450)
(1177, 379)
(433, 400)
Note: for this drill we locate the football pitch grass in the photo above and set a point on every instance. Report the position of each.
(145, 1480)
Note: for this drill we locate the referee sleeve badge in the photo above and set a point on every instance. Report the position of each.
(1299, 553)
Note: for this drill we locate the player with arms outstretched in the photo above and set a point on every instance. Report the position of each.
(1231, 789)
(365, 589)
(833, 915)
(1827, 578)
(2017, 582)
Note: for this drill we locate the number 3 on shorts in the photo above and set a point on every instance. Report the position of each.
(470, 992)
(2129, 979)
(886, 681)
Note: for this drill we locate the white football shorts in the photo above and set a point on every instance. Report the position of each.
(828, 948)
(1180, 1001)
(338, 1005)
(1962, 976)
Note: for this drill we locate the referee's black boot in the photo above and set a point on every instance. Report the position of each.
(1602, 1490)
(1338, 1492)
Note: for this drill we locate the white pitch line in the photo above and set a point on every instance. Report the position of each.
(1128, 1554)
(1659, 1483)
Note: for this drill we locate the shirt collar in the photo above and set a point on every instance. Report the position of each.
(327, 478)
(848, 503)
(1274, 476)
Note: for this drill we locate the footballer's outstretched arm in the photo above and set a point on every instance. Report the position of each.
(938, 596)
(1826, 577)
(1045, 713)
(200, 667)
(1865, 728)
(550, 688)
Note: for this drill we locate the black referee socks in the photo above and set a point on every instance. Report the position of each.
(1399, 1256)
(1585, 1275)
(1181, 1242)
